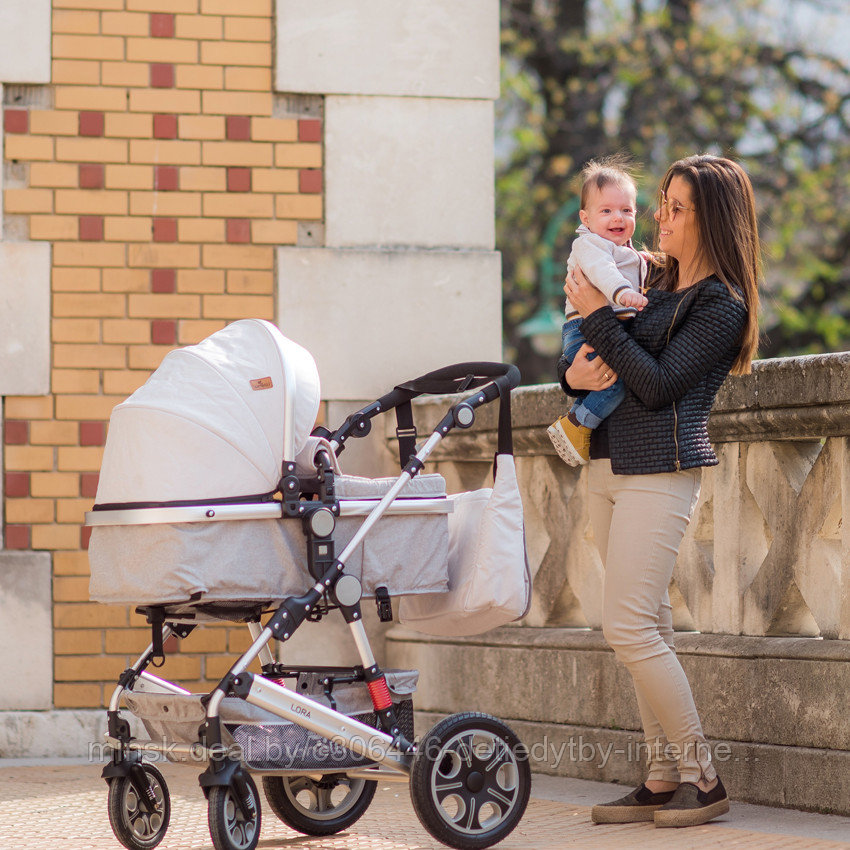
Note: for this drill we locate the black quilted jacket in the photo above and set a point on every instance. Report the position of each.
(672, 358)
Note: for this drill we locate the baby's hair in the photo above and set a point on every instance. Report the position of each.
(599, 173)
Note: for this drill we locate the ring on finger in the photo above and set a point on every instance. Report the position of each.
(606, 376)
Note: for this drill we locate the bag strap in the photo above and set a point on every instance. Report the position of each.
(505, 441)
(405, 432)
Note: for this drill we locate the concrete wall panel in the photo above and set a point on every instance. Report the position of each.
(25, 41)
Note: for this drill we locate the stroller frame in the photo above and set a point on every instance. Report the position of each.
(225, 782)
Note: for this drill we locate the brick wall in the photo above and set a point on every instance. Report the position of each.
(163, 170)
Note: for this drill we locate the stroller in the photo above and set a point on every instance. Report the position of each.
(216, 503)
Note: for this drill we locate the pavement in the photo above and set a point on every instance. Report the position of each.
(60, 803)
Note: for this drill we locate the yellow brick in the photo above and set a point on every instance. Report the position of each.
(125, 280)
(88, 4)
(91, 150)
(244, 53)
(176, 50)
(89, 46)
(265, 232)
(29, 148)
(126, 74)
(75, 280)
(276, 179)
(74, 695)
(75, 381)
(128, 177)
(239, 205)
(68, 563)
(274, 130)
(85, 23)
(248, 29)
(178, 101)
(201, 126)
(147, 356)
(52, 228)
(54, 434)
(164, 256)
(23, 201)
(125, 23)
(69, 304)
(237, 153)
(201, 230)
(73, 510)
(129, 125)
(29, 510)
(75, 330)
(76, 72)
(127, 229)
(53, 174)
(163, 306)
(79, 642)
(297, 155)
(127, 331)
(173, 152)
(207, 640)
(54, 485)
(241, 282)
(133, 641)
(255, 8)
(238, 257)
(53, 123)
(165, 203)
(90, 97)
(22, 458)
(190, 332)
(199, 77)
(89, 615)
(79, 459)
(53, 536)
(203, 179)
(29, 407)
(238, 306)
(87, 668)
(90, 202)
(237, 103)
(82, 356)
(163, 5)
(298, 206)
(124, 383)
(198, 26)
(247, 79)
(200, 280)
(86, 406)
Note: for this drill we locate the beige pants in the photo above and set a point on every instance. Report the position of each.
(638, 523)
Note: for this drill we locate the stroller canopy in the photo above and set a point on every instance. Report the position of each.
(215, 420)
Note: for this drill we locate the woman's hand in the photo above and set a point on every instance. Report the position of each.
(584, 374)
(584, 296)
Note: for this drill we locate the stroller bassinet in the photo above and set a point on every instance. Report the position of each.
(216, 501)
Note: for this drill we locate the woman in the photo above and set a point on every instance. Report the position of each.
(644, 473)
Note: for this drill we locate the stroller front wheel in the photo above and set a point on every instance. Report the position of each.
(470, 781)
(138, 823)
(230, 827)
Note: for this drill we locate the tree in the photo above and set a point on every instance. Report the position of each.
(661, 80)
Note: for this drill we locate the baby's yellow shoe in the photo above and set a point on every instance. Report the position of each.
(571, 441)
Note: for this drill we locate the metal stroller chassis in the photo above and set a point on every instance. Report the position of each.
(469, 776)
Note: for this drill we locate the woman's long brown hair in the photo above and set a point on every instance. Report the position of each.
(722, 196)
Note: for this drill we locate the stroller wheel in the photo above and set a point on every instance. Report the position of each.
(134, 825)
(230, 827)
(321, 807)
(470, 781)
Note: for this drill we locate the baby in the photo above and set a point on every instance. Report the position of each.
(603, 250)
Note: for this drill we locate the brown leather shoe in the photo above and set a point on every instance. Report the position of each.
(638, 805)
(691, 806)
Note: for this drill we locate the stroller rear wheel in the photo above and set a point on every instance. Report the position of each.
(137, 825)
(318, 807)
(470, 781)
(230, 827)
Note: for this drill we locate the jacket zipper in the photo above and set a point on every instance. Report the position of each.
(675, 410)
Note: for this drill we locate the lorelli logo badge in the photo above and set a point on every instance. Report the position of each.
(261, 384)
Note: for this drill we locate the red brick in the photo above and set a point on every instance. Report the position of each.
(238, 179)
(91, 228)
(239, 128)
(162, 25)
(16, 485)
(16, 432)
(309, 130)
(17, 537)
(310, 181)
(91, 123)
(165, 230)
(163, 332)
(16, 121)
(91, 176)
(165, 126)
(162, 75)
(88, 484)
(163, 280)
(238, 230)
(92, 433)
(166, 178)
(85, 535)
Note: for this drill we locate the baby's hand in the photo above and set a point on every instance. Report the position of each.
(630, 298)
